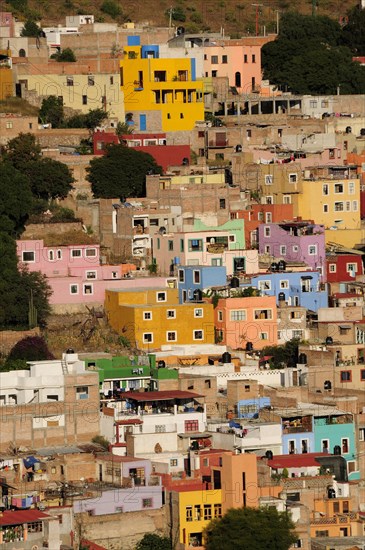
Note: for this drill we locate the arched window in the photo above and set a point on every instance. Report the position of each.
(237, 79)
(22, 53)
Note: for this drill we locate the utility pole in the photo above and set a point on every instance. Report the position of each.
(277, 21)
(257, 17)
(171, 11)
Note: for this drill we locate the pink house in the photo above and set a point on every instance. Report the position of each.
(251, 320)
(239, 60)
(75, 274)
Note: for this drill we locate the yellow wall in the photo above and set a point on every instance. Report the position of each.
(197, 499)
(6, 77)
(134, 314)
(177, 111)
(56, 84)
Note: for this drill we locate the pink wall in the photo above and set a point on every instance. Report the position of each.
(237, 333)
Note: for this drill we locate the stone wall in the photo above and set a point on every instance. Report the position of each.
(8, 338)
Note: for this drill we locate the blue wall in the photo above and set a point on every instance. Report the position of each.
(209, 276)
(297, 438)
(255, 406)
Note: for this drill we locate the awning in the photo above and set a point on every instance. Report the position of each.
(345, 327)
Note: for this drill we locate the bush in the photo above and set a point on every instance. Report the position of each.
(32, 348)
(110, 7)
(67, 55)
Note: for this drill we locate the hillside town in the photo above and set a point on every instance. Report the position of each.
(183, 290)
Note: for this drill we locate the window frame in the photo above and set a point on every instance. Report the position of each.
(194, 335)
(28, 252)
(144, 334)
(171, 332)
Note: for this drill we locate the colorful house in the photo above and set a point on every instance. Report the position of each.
(300, 241)
(6, 75)
(250, 320)
(151, 318)
(343, 268)
(195, 279)
(159, 94)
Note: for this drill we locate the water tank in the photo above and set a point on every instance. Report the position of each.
(194, 446)
(362, 132)
(282, 265)
(274, 266)
(348, 129)
(249, 346)
(336, 450)
(185, 161)
(198, 295)
(70, 350)
(235, 282)
(331, 493)
(281, 296)
(180, 30)
(161, 365)
(327, 385)
(269, 455)
(329, 340)
(177, 260)
(226, 357)
(238, 148)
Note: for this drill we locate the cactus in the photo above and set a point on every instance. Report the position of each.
(32, 312)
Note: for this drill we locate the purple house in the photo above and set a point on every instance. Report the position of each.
(295, 241)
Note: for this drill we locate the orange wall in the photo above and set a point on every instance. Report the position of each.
(239, 481)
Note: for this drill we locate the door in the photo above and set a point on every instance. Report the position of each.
(142, 122)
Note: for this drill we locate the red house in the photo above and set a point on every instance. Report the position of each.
(343, 268)
(153, 144)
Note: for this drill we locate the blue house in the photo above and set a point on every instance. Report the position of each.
(298, 435)
(195, 278)
(299, 288)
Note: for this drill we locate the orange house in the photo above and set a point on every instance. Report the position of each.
(239, 321)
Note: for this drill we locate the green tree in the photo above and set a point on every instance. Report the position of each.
(89, 120)
(22, 149)
(178, 14)
(251, 529)
(33, 283)
(281, 356)
(49, 179)
(353, 32)
(121, 172)
(111, 8)
(152, 541)
(66, 56)
(30, 29)
(15, 199)
(51, 111)
(123, 129)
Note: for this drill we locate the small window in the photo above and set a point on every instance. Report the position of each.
(91, 80)
(111, 80)
(351, 188)
(325, 189)
(173, 462)
(282, 249)
(161, 296)
(171, 336)
(344, 445)
(147, 315)
(339, 207)
(74, 289)
(312, 249)
(171, 314)
(325, 208)
(196, 277)
(76, 253)
(224, 59)
(332, 268)
(168, 115)
(267, 232)
(59, 254)
(84, 99)
(69, 81)
(88, 289)
(170, 246)
(238, 315)
(214, 59)
(181, 115)
(181, 276)
(293, 178)
(346, 376)
(286, 199)
(245, 58)
(90, 253)
(222, 204)
(220, 315)
(9, 125)
(264, 336)
(355, 206)
(90, 274)
(147, 503)
(198, 334)
(269, 178)
(338, 187)
(284, 284)
(28, 257)
(82, 392)
(147, 337)
(198, 312)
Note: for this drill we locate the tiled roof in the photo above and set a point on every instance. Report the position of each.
(296, 461)
(22, 516)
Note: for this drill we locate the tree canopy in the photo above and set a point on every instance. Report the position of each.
(51, 111)
(121, 172)
(353, 32)
(152, 541)
(251, 529)
(31, 29)
(66, 56)
(310, 57)
(15, 199)
(283, 356)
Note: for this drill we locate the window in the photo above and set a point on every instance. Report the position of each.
(313, 104)
(28, 257)
(147, 337)
(267, 231)
(171, 336)
(69, 81)
(160, 428)
(264, 336)
(181, 245)
(267, 249)
(245, 58)
(198, 334)
(325, 444)
(74, 289)
(198, 312)
(88, 289)
(322, 533)
(9, 125)
(216, 261)
(84, 99)
(147, 503)
(238, 315)
(362, 375)
(268, 216)
(351, 188)
(189, 513)
(214, 74)
(286, 199)
(90, 274)
(220, 315)
(181, 276)
(214, 59)
(76, 253)
(147, 315)
(171, 314)
(224, 59)
(263, 314)
(170, 246)
(181, 115)
(284, 284)
(253, 58)
(348, 206)
(298, 334)
(207, 511)
(173, 462)
(161, 296)
(269, 199)
(332, 268)
(282, 249)
(298, 544)
(90, 252)
(35, 527)
(158, 243)
(312, 249)
(344, 445)
(90, 80)
(51, 255)
(351, 268)
(249, 134)
(82, 392)
(195, 245)
(345, 507)
(264, 285)
(191, 425)
(325, 208)
(293, 178)
(325, 189)
(355, 206)
(339, 207)
(222, 204)
(196, 277)
(346, 375)
(361, 434)
(295, 248)
(269, 179)
(338, 187)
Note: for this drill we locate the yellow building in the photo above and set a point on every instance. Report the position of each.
(334, 203)
(334, 518)
(152, 317)
(6, 75)
(195, 509)
(159, 94)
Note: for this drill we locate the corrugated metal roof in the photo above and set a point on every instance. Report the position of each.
(161, 395)
(22, 516)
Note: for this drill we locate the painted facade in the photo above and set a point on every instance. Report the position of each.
(239, 321)
(195, 278)
(344, 267)
(6, 75)
(159, 94)
(151, 318)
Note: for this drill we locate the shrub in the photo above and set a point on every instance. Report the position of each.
(32, 348)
